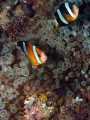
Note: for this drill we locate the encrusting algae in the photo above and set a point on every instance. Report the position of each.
(61, 85)
(43, 97)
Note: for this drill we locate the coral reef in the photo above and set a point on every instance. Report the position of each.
(15, 28)
(65, 75)
(28, 10)
(77, 111)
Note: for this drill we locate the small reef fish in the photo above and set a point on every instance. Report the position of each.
(65, 14)
(35, 55)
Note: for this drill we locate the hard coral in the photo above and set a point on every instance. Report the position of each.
(28, 10)
(34, 2)
(33, 111)
(75, 111)
(15, 28)
(38, 4)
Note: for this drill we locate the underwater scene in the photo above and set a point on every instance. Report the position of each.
(44, 59)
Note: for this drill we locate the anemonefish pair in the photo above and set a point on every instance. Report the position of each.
(35, 55)
(65, 14)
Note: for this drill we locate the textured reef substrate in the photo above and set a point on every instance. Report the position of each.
(47, 91)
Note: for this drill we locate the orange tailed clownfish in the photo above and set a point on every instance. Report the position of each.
(65, 14)
(35, 55)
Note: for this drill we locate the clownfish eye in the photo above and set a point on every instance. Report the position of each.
(39, 55)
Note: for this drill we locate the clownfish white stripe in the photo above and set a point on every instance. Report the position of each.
(35, 53)
(61, 17)
(69, 10)
(24, 47)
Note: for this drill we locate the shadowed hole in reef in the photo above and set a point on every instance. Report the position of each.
(28, 10)
(0, 68)
(88, 69)
(87, 100)
(0, 32)
(1, 46)
(15, 53)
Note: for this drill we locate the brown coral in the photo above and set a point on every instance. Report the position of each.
(79, 112)
(17, 27)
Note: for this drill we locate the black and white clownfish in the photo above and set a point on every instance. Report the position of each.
(35, 55)
(65, 14)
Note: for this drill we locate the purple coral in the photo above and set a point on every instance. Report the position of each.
(33, 111)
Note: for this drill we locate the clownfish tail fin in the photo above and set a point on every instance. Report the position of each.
(55, 22)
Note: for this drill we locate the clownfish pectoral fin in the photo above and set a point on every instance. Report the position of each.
(55, 22)
(35, 63)
(46, 51)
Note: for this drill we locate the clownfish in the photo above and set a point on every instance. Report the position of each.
(35, 55)
(65, 14)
